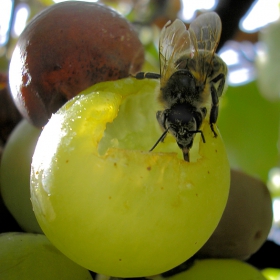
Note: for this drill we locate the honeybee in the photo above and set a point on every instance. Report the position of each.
(192, 78)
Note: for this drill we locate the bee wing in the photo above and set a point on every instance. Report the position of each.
(205, 32)
(174, 43)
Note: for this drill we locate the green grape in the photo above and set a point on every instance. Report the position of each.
(218, 269)
(271, 273)
(15, 175)
(108, 203)
(29, 256)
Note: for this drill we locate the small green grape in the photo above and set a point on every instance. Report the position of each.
(28, 256)
(15, 175)
(271, 273)
(218, 269)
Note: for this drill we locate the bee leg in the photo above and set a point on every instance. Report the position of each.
(215, 94)
(146, 75)
(222, 80)
(202, 135)
(214, 109)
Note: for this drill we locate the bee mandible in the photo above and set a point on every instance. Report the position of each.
(192, 78)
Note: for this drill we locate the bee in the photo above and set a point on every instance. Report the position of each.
(192, 78)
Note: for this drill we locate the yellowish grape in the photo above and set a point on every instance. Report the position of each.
(27, 256)
(111, 205)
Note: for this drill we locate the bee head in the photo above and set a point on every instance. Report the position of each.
(183, 122)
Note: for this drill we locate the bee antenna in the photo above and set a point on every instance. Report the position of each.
(160, 139)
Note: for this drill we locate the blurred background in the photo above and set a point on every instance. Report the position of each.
(250, 44)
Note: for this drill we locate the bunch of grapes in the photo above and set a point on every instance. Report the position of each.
(78, 177)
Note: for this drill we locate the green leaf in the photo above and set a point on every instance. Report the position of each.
(249, 125)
